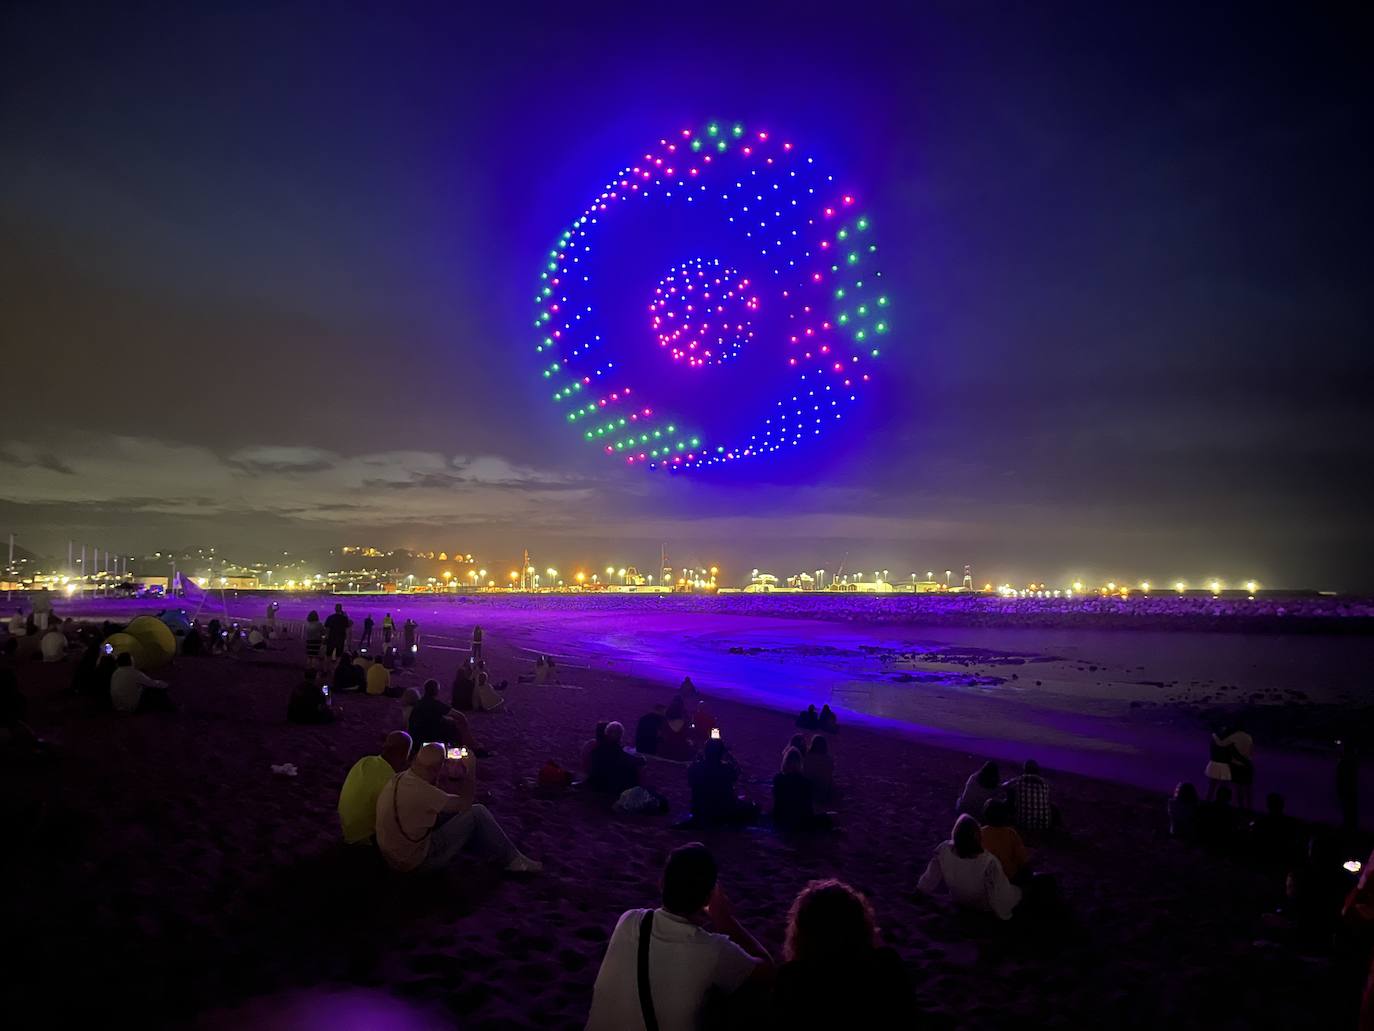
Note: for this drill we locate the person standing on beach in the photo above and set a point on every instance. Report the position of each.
(314, 639)
(272, 607)
(1232, 762)
(366, 642)
(388, 629)
(476, 644)
(335, 633)
(422, 828)
(664, 965)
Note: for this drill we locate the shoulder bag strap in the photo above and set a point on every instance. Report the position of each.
(646, 998)
(396, 814)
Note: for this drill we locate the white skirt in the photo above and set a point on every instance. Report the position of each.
(1218, 771)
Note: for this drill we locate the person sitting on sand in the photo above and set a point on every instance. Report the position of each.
(611, 769)
(348, 676)
(464, 681)
(1000, 838)
(675, 739)
(647, 730)
(980, 788)
(432, 720)
(712, 779)
(364, 783)
(694, 949)
(827, 722)
(257, 640)
(413, 837)
(309, 702)
(809, 718)
(832, 940)
(973, 877)
(193, 644)
(314, 640)
(793, 793)
(378, 679)
(215, 635)
(1029, 795)
(819, 767)
(1183, 812)
(798, 742)
(133, 691)
(485, 698)
(53, 645)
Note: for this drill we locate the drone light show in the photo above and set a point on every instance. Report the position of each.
(717, 300)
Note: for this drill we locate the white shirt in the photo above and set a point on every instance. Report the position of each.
(979, 883)
(53, 645)
(126, 688)
(686, 963)
(416, 803)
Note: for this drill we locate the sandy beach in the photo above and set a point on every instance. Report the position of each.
(165, 873)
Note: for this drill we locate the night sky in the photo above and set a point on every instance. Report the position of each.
(266, 280)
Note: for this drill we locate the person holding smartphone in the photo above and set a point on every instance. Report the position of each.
(421, 827)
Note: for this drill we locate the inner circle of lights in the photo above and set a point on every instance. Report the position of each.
(700, 312)
(815, 257)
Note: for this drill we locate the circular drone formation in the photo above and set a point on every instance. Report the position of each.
(814, 276)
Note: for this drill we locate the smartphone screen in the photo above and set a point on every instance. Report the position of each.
(715, 733)
(1353, 865)
(455, 753)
